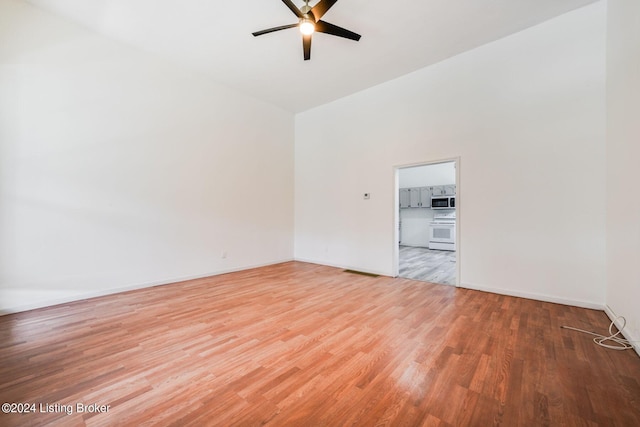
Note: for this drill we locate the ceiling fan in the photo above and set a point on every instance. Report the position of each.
(309, 22)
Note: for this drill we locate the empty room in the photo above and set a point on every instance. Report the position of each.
(205, 211)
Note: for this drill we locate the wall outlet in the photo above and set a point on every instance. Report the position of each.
(223, 255)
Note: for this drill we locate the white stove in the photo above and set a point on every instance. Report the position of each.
(442, 232)
(445, 218)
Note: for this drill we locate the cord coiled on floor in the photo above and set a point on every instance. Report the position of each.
(620, 343)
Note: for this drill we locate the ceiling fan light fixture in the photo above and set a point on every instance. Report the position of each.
(307, 26)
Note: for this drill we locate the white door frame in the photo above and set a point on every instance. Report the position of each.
(396, 212)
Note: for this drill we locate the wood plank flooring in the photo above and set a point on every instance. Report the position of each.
(427, 265)
(298, 344)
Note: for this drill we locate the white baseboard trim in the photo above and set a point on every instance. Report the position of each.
(111, 291)
(534, 296)
(343, 267)
(500, 291)
(635, 341)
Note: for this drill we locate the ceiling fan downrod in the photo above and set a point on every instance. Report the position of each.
(306, 8)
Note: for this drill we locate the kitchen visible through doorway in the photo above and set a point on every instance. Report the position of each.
(427, 223)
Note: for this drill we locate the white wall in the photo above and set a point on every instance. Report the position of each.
(526, 116)
(414, 226)
(118, 170)
(623, 152)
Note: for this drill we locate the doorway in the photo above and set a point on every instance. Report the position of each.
(426, 246)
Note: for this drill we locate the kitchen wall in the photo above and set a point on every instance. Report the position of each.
(434, 174)
(118, 170)
(414, 222)
(526, 116)
(623, 175)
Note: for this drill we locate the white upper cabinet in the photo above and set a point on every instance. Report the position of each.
(405, 198)
(415, 197)
(443, 190)
(425, 197)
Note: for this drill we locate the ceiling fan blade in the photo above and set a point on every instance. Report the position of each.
(334, 30)
(306, 46)
(321, 8)
(271, 30)
(293, 8)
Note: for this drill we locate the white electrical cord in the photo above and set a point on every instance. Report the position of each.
(621, 343)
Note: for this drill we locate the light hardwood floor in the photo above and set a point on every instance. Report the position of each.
(427, 265)
(298, 344)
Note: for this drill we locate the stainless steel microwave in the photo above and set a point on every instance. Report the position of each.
(443, 202)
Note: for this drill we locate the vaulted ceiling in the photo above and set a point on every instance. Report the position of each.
(398, 37)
